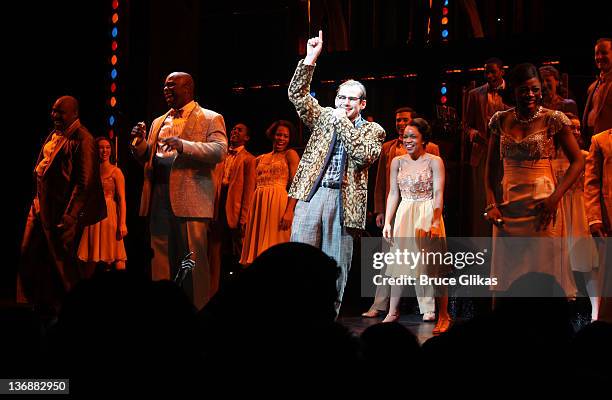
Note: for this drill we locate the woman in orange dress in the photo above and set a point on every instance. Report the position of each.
(271, 213)
(103, 241)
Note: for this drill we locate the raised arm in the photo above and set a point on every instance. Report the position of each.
(307, 107)
(138, 143)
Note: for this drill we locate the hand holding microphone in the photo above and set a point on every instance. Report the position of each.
(138, 133)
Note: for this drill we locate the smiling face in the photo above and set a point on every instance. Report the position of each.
(239, 135)
(281, 137)
(402, 119)
(528, 95)
(64, 112)
(413, 140)
(178, 89)
(603, 56)
(349, 99)
(104, 150)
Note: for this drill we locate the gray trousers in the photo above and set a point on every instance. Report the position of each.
(317, 222)
(172, 238)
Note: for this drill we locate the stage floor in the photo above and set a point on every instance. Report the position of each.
(414, 323)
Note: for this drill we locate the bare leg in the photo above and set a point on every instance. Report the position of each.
(444, 319)
(393, 314)
(395, 296)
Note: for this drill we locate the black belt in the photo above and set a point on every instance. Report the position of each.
(331, 185)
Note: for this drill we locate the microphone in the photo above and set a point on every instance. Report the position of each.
(135, 140)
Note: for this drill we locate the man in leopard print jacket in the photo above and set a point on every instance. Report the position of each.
(331, 181)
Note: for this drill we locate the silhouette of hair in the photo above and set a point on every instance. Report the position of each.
(522, 73)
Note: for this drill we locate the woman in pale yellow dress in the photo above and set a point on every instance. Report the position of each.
(418, 178)
(271, 212)
(523, 194)
(583, 255)
(103, 241)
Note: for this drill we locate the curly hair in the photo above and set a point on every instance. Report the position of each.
(282, 122)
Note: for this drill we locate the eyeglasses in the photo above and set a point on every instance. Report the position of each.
(342, 98)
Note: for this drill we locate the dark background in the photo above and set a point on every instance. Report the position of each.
(58, 48)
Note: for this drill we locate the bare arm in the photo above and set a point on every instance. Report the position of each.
(392, 198)
(571, 149)
(437, 167)
(548, 208)
(293, 160)
(492, 166)
(121, 210)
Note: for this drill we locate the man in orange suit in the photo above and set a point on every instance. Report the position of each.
(179, 155)
(68, 197)
(482, 103)
(598, 204)
(597, 115)
(234, 186)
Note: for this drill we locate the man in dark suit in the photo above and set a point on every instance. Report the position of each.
(234, 186)
(597, 115)
(68, 196)
(483, 102)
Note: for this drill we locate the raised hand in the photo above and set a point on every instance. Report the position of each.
(138, 133)
(339, 113)
(313, 49)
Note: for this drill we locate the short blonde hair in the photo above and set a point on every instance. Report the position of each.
(353, 83)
